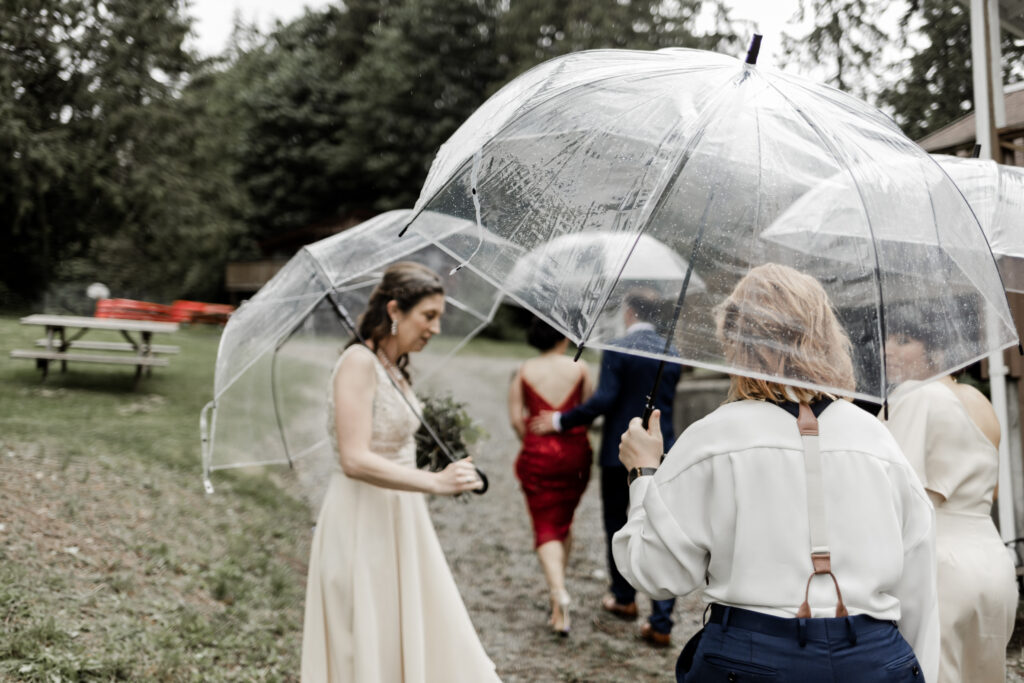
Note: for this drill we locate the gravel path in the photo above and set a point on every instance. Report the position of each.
(488, 542)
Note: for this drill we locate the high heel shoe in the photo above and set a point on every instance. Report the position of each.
(561, 600)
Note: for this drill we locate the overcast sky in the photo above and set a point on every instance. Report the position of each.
(214, 19)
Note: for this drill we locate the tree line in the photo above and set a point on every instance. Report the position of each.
(129, 159)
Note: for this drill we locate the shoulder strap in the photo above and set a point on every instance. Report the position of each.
(821, 556)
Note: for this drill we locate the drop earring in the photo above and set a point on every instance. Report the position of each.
(394, 327)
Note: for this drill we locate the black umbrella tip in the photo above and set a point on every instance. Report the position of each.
(755, 47)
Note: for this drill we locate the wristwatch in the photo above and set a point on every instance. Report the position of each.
(639, 472)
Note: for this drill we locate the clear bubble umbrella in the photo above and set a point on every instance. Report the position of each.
(996, 195)
(278, 349)
(571, 261)
(704, 153)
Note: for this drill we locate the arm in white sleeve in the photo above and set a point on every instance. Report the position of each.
(652, 551)
(919, 605)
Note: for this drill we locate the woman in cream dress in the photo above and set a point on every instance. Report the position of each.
(950, 435)
(381, 603)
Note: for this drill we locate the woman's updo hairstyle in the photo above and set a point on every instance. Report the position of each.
(542, 336)
(405, 282)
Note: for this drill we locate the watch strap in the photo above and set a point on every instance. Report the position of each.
(639, 472)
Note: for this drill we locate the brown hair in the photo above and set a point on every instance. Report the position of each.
(644, 302)
(405, 282)
(778, 321)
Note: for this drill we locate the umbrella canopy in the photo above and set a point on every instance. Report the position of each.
(579, 261)
(996, 195)
(915, 254)
(278, 348)
(704, 153)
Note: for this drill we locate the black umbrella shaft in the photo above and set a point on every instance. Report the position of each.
(649, 407)
(755, 48)
(678, 312)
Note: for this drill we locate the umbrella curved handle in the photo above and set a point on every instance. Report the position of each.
(483, 478)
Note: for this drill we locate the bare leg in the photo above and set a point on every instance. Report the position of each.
(552, 556)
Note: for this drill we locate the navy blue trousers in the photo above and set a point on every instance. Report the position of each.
(741, 645)
(615, 505)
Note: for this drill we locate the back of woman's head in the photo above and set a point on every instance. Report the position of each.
(779, 322)
(405, 282)
(542, 336)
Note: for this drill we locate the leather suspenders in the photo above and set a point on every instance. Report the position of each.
(821, 557)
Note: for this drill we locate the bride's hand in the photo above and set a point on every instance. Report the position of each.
(457, 477)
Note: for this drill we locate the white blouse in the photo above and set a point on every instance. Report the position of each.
(727, 513)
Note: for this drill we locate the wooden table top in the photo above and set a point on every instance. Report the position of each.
(83, 322)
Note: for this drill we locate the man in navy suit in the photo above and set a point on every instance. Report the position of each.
(621, 394)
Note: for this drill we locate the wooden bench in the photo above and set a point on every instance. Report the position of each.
(88, 357)
(112, 346)
(44, 358)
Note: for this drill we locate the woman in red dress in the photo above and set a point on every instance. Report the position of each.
(553, 469)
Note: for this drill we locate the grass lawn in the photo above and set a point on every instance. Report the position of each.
(114, 564)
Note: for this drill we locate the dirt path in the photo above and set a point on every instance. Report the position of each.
(489, 546)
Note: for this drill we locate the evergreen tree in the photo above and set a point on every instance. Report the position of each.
(291, 115)
(41, 88)
(936, 86)
(532, 31)
(102, 159)
(844, 44)
(428, 66)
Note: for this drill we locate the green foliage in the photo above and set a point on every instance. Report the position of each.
(937, 87)
(428, 66)
(532, 31)
(844, 40)
(112, 174)
(924, 77)
(290, 94)
(452, 425)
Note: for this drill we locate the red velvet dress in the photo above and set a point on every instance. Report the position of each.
(553, 469)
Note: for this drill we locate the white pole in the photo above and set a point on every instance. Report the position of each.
(988, 110)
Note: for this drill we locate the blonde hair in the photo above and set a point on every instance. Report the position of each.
(779, 322)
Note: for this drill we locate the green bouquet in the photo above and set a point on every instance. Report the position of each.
(452, 425)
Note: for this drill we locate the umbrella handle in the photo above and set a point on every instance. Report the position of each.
(483, 478)
(648, 409)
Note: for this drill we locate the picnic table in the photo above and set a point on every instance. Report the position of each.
(63, 342)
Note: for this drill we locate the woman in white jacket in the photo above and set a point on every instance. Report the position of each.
(813, 544)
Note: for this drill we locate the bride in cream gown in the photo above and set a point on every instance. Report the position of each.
(381, 603)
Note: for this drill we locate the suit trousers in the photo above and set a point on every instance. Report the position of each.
(615, 504)
(743, 645)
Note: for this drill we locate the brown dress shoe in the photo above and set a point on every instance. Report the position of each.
(627, 612)
(654, 638)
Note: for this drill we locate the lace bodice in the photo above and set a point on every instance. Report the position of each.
(394, 423)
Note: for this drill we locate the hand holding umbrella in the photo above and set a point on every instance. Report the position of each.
(642, 445)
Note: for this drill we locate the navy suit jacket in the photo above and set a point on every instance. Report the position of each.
(622, 390)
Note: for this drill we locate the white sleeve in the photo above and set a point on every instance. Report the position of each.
(916, 590)
(651, 551)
